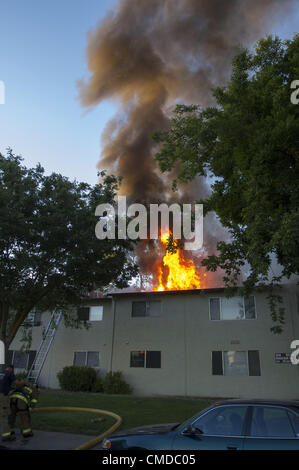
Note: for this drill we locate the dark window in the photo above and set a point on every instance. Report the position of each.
(37, 318)
(217, 366)
(9, 358)
(137, 358)
(223, 421)
(249, 307)
(153, 359)
(215, 309)
(254, 363)
(20, 360)
(151, 308)
(138, 309)
(83, 313)
(33, 318)
(32, 355)
(271, 422)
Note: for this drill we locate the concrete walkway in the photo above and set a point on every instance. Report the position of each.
(44, 440)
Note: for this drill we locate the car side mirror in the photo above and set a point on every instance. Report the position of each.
(192, 430)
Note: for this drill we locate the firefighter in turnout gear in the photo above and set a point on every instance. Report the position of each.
(7, 382)
(22, 400)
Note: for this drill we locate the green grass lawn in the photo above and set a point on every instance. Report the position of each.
(134, 410)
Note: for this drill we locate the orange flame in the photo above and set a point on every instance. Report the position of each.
(176, 272)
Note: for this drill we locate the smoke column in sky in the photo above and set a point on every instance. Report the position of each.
(149, 54)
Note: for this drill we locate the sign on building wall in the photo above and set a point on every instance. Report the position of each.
(283, 358)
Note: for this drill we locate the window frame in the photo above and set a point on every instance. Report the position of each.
(284, 408)
(86, 354)
(247, 363)
(145, 358)
(31, 321)
(96, 307)
(28, 364)
(233, 319)
(147, 309)
(89, 309)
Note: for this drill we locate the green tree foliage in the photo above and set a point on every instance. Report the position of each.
(249, 144)
(49, 254)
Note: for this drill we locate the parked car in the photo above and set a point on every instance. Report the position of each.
(233, 424)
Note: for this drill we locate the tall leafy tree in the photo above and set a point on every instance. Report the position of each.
(49, 254)
(249, 144)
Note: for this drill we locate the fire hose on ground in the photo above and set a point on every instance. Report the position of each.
(93, 442)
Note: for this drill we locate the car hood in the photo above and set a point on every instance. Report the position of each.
(151, 429)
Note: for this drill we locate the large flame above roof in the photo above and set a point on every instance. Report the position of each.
(176, 271)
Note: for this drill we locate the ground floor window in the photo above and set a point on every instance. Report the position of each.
(21, 359)
(86, 358)
(148, 359)
(233, 363)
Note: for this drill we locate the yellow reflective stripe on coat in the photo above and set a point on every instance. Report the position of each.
(18, 395)
(34, 400)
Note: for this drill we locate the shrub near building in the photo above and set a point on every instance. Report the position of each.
(85, 379)
(77, 378)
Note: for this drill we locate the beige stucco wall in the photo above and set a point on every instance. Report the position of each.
(186, 337)
(70, 340)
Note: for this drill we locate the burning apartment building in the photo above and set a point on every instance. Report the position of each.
(194, 342)
(178, 333)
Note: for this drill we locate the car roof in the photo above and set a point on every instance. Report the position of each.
(259, 401)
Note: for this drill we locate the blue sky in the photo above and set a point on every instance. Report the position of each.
(42, 51)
